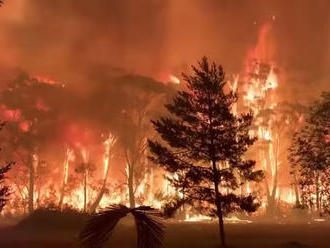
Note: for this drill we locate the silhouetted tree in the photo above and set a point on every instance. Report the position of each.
(4, 190)
(100, 227)
(204, 147)
(85, 169)
(309, 155)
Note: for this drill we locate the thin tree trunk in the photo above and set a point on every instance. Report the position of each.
(85, 191)
(102, 191)
(97, 200)
(218, 205)
(130, 182)
(65, 177)
(32, 164)
(31, 188)
(60, 203)
(317, 192)
(99, 196)
(296, 190)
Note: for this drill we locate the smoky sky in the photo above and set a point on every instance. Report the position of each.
(69, 39)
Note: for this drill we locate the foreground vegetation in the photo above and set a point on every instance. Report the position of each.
(53, 229)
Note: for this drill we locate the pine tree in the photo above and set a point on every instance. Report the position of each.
(203, 145)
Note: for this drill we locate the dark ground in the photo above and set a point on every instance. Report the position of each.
(178, 235)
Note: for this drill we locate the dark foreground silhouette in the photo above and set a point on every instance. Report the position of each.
(52, 229)
(100, 227)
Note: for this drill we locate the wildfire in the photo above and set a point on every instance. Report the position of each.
(89, 191)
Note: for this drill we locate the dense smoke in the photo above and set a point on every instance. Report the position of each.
(68, 39)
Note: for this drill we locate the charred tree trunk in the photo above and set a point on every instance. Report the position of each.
(97, 200)
(62, 189)
(31, 164)
(296, 190)
(218, 205)
(110, 141)
(85, 191)
(272, 203)
(31, 188)
(317, 189)
(100, 195)
(130, 184)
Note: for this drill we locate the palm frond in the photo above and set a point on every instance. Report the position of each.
(150, 229)
(100, 227)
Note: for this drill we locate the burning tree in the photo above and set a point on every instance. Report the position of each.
(309, 155)
(205, 145)
(85, 169)
(4, 190)
(108, 145)
(24, 129)
(27, 106)
(135, 126)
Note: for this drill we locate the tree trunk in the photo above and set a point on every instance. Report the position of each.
(31, 188)
(317, 192)
(296, 190)
(85, 191)
(65, 177)
(130, 183)
(32, 164)
(218, 205)
(97, 200)
(60, 203)
(99, 196)
(101, 193)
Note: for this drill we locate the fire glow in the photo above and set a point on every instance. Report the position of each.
(96, 187)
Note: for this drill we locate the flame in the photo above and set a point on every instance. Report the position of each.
(258, 89)
(45, 80)
(108, 144)
(272, 81)
(234, 89)
(68, 158)
(84, 154)
(196, 218)
(174, 79)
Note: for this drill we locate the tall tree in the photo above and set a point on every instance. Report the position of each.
(137, 109)
(28, 109)
(309, 155)
(108, 145)
(203, 144)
